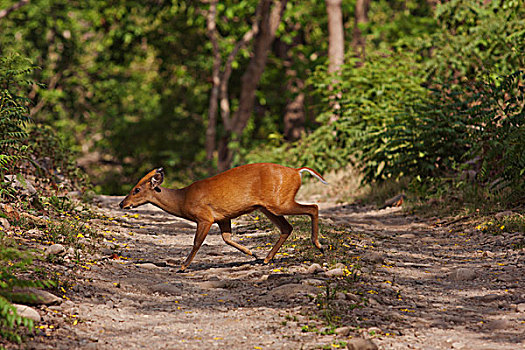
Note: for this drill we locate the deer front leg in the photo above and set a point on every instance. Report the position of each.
(202, 231)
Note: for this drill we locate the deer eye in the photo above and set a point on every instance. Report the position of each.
(136, 190)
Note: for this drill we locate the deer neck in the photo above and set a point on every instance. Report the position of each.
(169, 200)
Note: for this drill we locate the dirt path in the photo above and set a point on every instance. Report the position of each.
(424, 286)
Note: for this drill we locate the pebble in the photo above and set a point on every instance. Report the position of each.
(5, 223)
(292, 289)
(312, 282)
(520, 307)
(33, 296)
(407, 236)
(373, 257)
(463, 274)
(314, 268)
(27, 312)
(498, 324)
(339, 266)
(343, 331)
(361, 344)
(55, 249)
(335, 272)
(502, 214)
(148, 266)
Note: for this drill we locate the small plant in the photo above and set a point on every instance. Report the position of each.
(13, 262)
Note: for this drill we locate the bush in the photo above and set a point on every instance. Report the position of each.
(13, 111)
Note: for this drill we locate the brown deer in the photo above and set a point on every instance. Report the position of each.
(270, 188)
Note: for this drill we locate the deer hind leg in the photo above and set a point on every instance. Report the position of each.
(311, 210)
(202, 231)
(285, 228)
(226, 232)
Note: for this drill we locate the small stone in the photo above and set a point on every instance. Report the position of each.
(502, 214)
(520, 307)
(373, 257)
(343, 331)
(55, 249)
(353, 297)
(407, 236)
(312, 282)
(27, 312)
(488, 298)
(148, 266)
(33, 296)
(374, 330)
(339, 266)
(214, 284)
(340, 296)
(361, 344)
(458, 345)
(463, 274)
(5, 223)
(293, 289)
(335, 273)
(314, 268)
(498, 324)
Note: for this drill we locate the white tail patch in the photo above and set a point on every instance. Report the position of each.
(314, 174)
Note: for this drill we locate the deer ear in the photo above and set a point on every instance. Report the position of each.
(157, 179)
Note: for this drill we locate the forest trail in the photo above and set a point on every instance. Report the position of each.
(427, 286)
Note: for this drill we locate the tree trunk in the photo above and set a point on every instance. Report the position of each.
(294, 115)
(211, 128)
(361, 16)
(336, 41)
(268, 23)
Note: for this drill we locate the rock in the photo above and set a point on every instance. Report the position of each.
(314, 268)
(340, 296)
(27, 312)
(148, 266)
(463, 274)
(458, 345)
(167, 288)
(5, 224)
(215, 284)
(335, 272)
(498, 324)
(18, 182)
(343, 331)
(361, 344)
(292, 289)
(339, 266)
(520, 307)
(502, 214)
(373, 257)
(33, 296)
(353, 297)
(488, 298)
(312, 282)
(55, 249)
(407, 236)
(374, 330)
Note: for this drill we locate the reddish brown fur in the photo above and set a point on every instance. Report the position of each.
(270, 188)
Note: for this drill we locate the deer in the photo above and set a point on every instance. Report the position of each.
(269, 188)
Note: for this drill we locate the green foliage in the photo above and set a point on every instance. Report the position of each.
(13, 110)
(478, 36)
(12, 263)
